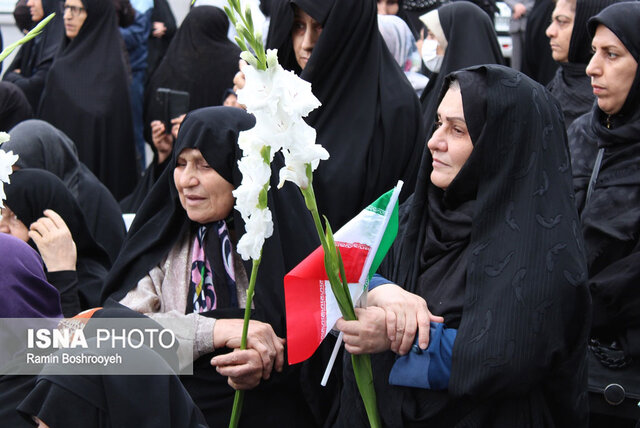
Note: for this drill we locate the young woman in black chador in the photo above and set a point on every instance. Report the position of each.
(491, 241)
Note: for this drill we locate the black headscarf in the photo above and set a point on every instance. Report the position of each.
(503, 242)
(538, 62)
(36, 56)
(86, 96)
(369, 120)
(571, 85)
(471, 40)
(161, 222)
(610, 215)
(32, 191)
(112, 400)
(41, 145)
(201, 60)
(14, 106)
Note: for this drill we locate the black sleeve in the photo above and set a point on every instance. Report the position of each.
(66, 282)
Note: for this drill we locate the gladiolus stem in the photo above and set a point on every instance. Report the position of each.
(239, 395)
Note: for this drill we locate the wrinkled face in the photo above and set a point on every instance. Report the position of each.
(304, 34)
(35, 8)
(612, 70)
(450, 145)
(74, 16)
(560, 30)
(10, 225)
(388, 7)
(204, 194)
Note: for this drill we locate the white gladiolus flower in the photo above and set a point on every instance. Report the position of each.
(4, 137)
(258, 229)
(7, 159)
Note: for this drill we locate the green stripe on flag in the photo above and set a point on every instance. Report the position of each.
(389, 236)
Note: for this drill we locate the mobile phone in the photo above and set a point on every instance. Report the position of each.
(172, 104)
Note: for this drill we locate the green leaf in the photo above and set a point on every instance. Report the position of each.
(265, 152)
(247, 14)
(364, 379)
(262, 198)
(230, 14)
(241, 44)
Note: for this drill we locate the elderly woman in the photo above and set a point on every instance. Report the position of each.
(490, 241)
(86, 94)
(605, 152)
(179, 261)
(40, 210)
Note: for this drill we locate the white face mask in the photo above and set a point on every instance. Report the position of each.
(431, 59)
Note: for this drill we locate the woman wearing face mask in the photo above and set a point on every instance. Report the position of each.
(605, 151)
(488, 241)
(461, 35)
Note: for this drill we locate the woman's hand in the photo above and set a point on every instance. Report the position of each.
(159, 29)
(406, 314)
(162, 141)
(54, 242)
(175, 125)
(260, 337)
(367, 334)
(242, 367)
(239, 79)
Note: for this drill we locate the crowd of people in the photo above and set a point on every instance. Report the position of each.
(509, 297)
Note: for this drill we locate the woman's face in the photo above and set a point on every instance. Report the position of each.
(204, 194)
(431, 36)
(560, 29)
(74, 16)
(35, 8)
(10, 225)
(304, 34)
(388, 7)
(612, 70)
(450, 145)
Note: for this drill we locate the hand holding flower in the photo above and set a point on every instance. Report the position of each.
(242, 367)
(367, 334)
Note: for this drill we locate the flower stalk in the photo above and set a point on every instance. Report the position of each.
(334, 267)
(35, 31)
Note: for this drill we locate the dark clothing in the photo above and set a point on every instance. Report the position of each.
(498, 255)
(132, 203)
(610, 214)
(161, 221)
(571, 85)
(157, 46)
(31, 192)
(471, 40)
(36, 56)
(201, 60)
(14, 106)
(42, 146)
(369, 120)
(538, 62)
(88, 78)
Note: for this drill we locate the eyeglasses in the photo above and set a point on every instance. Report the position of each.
(73, 10)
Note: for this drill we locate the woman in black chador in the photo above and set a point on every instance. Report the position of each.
(572, 50)
(369, 120)
(605, 155)
(32, 62)
(491, 241)
(180, 261)
(86, 94)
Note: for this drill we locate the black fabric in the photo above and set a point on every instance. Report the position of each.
(14, 106)
(538, 62)
(40, 145)
(369, 120)
(31, 192)
(610, 217)
(571, 85)
(471, 40)
(113, 400)
(507, 232)
(161, 221)
(86, 96)
(36, 56)
(157, 47)
(201, 60)
(132, 203)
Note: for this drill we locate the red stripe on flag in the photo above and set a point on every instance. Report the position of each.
(305, 304)
(353, 257)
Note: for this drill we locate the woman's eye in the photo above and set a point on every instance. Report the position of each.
(612, 55)
(437, 125)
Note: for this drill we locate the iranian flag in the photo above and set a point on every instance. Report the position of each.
(311, 307)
